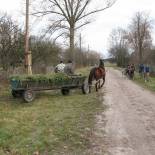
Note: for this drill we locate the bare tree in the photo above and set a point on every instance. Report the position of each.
(85, 58)
(9, 42)
(71, 14)
(119, 46)
(140, 34)
(44, 52)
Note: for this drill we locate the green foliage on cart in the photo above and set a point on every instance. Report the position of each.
(40, 80)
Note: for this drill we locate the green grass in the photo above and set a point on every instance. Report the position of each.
(108, 64)
(52, 124)
(149, 85)
(84, 71)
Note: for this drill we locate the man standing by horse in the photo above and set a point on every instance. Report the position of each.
(130, 71)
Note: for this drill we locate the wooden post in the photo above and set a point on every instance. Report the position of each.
(29, 68)
(28, 63)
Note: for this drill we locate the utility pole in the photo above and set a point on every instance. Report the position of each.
(28, 57)
(80, 42)
(88, 48)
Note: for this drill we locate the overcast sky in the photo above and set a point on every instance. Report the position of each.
(96, 34)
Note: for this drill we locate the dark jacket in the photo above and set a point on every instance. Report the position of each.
(69, 69)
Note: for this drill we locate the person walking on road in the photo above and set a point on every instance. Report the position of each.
(146, 73)
(141, 70)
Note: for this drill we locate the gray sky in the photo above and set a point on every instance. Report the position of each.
(96, 34)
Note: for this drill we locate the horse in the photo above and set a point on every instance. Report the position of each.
(96, 73)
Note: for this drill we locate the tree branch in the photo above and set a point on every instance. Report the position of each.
(82, 10)
(76, 8)
(67, 9)
(92, 12)
(88, 22)
(43, 13)
(61, 10)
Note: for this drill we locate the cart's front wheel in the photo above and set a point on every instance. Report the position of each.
(29, 95)
(65, 91)
(85, 87)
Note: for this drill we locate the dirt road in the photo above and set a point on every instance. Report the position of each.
(130, 118)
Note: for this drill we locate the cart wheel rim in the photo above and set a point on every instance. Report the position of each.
(86, 87)
(29, 96)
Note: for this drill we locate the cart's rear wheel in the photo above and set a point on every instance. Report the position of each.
(85, 87)
(16, 93)
(65, 91)
(29, 95)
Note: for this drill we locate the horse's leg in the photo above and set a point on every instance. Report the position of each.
(89, 88)
(103, 81)
(99, 84)
(129, 75)
(96, 86)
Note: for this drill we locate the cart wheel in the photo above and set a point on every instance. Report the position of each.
(16, 93)
(65, 91)
(85, 87)
(29, 95)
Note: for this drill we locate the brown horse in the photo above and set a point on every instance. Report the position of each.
(97, 73)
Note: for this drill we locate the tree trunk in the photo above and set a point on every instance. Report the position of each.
(140, 53)
(140, 57)
(72, 53)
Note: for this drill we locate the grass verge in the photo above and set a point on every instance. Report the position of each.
(52, 124)
(149, 85)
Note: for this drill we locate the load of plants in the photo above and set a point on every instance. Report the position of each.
(41, 79)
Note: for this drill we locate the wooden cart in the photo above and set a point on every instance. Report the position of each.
(27, 89)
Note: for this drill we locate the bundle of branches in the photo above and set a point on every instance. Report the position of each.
(53, 79)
